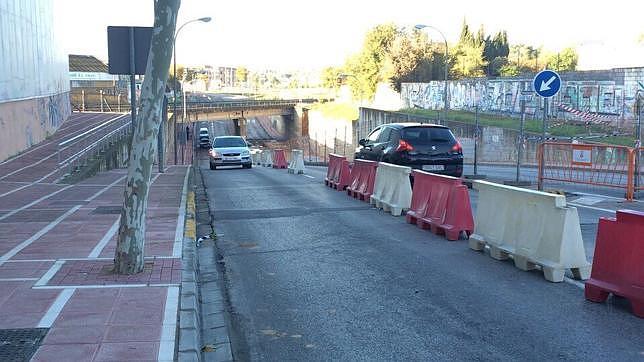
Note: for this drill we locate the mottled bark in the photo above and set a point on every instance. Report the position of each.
(128, 258)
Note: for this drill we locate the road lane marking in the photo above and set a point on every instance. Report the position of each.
(181, 219)
(50, 273)
(56, 308)
(106, 239)
(592, 208)
(11, 253)
(308, 176)
(169, 327)
(576, 283)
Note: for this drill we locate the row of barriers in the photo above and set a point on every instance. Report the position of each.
(591, 164)
(277, 159)
(536, 229)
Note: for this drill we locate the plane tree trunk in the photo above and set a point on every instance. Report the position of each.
(128, 258)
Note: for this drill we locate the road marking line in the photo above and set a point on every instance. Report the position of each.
(33, 183)
(181, 219)
(50, 273)
(169, 328)
(99, 193)
(592, 208)
(29, 260)
(11, 253)
(576, 283)
(106, 239)
(308, 176)
(17, 279)
(603, 196)
(56, 308)
(106, 286)
(33, 203)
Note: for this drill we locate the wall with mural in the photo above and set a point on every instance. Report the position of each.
(593, 95)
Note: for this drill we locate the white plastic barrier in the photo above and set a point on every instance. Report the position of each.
(392, 188)
(267, 161)
(256, 157)
(534, 227)
(296, 164)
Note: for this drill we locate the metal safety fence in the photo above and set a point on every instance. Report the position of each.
(587, 164)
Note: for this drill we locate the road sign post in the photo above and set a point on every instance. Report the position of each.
(546, 84)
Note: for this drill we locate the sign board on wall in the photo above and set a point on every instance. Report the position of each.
(582, 155)
(118, 48)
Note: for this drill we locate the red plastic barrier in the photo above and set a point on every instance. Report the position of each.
(442, 204)
(363, 176)
(618, 263)
(338, 172)
(279, 159)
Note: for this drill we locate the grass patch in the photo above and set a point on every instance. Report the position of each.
(337, 110)
(531, 126)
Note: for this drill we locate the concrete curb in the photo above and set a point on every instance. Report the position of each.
(214, 317)
(189, 310)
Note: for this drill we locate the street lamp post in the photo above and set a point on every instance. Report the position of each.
(174, 84)
(421, 26)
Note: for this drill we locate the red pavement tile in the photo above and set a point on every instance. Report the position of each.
(22, 320)
(65, 353)
(94, 318)
(76, 334)
(32, 269)
(130, 351)
(133, 333)
(99, 272)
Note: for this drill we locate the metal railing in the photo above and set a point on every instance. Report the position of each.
(236, 105)
(88, 143)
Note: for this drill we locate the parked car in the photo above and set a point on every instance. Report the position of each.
(428, 147)
(229, 151)
(204, 137)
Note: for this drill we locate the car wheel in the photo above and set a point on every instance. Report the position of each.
(247, 166)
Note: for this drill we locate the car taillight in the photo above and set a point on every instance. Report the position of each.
(457, 148)
(404, 146)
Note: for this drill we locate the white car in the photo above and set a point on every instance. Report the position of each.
(229, 151)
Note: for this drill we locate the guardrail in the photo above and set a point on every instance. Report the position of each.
(92, 141)
(234, 106)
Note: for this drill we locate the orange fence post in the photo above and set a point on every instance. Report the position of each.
(631, 175)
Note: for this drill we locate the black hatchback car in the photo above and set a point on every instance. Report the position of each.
(428, 147)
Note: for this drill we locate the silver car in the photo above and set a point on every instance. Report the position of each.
(229, 151)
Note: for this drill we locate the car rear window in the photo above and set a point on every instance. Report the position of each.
(229, 142)
(427, 135)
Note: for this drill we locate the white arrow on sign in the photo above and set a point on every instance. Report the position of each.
(546, 85)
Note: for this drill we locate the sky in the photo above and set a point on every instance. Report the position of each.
(305, 35)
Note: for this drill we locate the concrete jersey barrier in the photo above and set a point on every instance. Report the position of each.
(392, 188)
(536, 228)
(256, 157)
(279, 158)
(296, 165)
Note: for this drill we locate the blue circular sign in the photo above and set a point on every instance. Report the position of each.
(547, 83)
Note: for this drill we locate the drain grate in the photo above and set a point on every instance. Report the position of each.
(110, 209)
(20, 344)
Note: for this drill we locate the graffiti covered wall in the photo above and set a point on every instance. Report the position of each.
(608, 94)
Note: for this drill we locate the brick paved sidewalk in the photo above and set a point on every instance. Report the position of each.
(56, 248)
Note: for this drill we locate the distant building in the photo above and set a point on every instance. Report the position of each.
(34, 79)
(91, 84)
(226, 77)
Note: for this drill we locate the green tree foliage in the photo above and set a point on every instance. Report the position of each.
(329, 77)
(412, 59)
(495, 53)
(366, 66)
(241, 74)
(565, 60)
(467, 56)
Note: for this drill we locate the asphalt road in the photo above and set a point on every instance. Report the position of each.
(314, 275)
